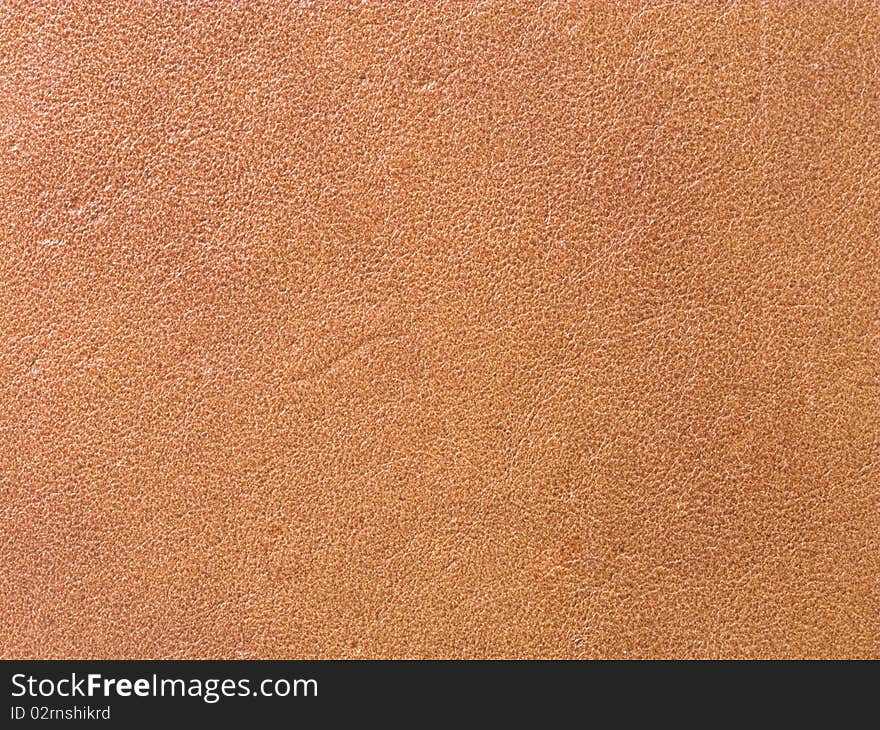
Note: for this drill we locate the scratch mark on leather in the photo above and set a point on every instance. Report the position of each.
(336, 363)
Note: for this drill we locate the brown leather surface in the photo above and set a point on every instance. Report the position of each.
(439, 330)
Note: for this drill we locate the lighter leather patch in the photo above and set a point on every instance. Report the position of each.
(439, 330)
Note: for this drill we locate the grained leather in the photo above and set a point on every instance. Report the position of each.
(439, 330)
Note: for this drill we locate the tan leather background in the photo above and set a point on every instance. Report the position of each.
(439, 330)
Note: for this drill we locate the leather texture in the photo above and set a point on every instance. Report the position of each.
(450, 330)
